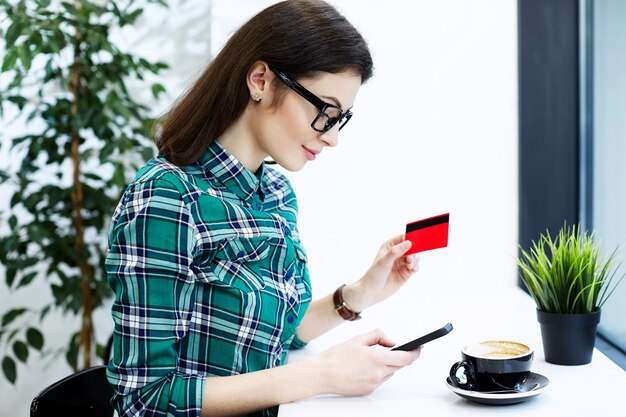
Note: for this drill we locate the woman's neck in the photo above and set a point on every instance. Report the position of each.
(239, 140)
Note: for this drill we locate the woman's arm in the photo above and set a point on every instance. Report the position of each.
(355, 367)
(246, 393)
(389, 271)
(321, 316)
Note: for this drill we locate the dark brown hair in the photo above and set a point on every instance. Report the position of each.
(299, 37)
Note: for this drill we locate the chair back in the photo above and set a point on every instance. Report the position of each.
(83, 394)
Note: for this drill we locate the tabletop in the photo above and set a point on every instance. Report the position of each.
(505, 312)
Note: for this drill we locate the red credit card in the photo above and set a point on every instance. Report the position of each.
(427, 234)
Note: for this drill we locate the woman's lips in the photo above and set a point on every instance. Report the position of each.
(310, 153)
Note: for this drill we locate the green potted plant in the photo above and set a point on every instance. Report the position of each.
(81, 134)
(569, 282)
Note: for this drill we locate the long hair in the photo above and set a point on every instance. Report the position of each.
(299, 37)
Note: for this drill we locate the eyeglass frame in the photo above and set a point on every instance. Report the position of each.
(320, 105)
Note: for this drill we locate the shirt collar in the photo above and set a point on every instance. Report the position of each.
(230, 172)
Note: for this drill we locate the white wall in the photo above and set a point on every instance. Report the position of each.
(434, 131)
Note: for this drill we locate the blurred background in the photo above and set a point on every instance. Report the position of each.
(507, 114)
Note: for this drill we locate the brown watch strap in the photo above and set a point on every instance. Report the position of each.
(342, 308)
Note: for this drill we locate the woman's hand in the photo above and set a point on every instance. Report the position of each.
(361, 364)
(389, 271)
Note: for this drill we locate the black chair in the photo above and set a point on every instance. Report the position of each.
(83, 394)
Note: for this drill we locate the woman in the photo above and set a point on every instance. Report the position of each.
(209, 273)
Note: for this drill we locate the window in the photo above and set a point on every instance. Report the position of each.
(603, 140)
(572, 132)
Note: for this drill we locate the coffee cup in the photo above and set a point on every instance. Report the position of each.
(492, 365)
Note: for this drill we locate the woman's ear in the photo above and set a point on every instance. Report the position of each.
(259, 80)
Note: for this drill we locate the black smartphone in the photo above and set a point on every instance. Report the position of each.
(414, 344)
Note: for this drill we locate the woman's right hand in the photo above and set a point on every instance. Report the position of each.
(360, 365)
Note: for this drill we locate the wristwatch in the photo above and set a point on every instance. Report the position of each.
(342, 308)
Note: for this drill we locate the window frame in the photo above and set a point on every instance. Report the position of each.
(555, 67)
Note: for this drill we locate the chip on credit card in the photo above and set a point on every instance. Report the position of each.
(428, 234)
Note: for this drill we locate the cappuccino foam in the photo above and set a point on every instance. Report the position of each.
(497, 349)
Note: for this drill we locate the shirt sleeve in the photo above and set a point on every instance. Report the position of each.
(151, 247)
(296, 343)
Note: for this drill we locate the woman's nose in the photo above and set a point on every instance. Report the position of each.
(331, 137)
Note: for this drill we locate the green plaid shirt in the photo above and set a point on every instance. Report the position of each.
(210, 280)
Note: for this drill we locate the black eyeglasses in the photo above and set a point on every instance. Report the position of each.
(328, 114)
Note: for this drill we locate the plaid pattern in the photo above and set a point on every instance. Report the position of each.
(210, 279)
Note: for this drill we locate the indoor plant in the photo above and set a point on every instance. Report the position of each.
(569, 282)
(82, 134)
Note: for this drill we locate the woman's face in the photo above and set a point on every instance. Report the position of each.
(285, 133)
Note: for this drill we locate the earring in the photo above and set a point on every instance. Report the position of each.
(256, 97)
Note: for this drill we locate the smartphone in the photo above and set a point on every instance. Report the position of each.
(414, 344)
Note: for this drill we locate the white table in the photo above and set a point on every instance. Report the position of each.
(597, 389)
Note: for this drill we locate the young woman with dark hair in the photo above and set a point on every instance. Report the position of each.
(209, 273)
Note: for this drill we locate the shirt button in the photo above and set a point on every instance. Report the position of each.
(290, 319)
(289, 274)
(240, 255)
(259, 206)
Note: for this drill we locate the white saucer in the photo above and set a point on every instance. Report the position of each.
(503, 398)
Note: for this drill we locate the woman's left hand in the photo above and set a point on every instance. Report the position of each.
(389, 271)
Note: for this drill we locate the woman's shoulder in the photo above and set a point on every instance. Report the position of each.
(157, 168)
(162, 173)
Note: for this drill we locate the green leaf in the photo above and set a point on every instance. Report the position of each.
(13, 222)
(36, 39)
(147, 153)
(12, 335)
(19, 101)
(72, 351)
(13, 33)
(43, 4)
(92, 176)
(25, 56)
(28, 278)
(10, 276)
(9, 60)
(9, 369)
(15, 200)
(11, 315)
(44, 312)
(157, 89)
(120, 108)
(21, 351)
(118, 177)
(34, 338)
(70, 8)
(130, 18)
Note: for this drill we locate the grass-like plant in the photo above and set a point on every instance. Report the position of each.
(567, 275)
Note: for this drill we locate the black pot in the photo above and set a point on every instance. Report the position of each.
(568, 339)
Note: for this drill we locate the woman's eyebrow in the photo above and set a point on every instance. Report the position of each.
(337, 102)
